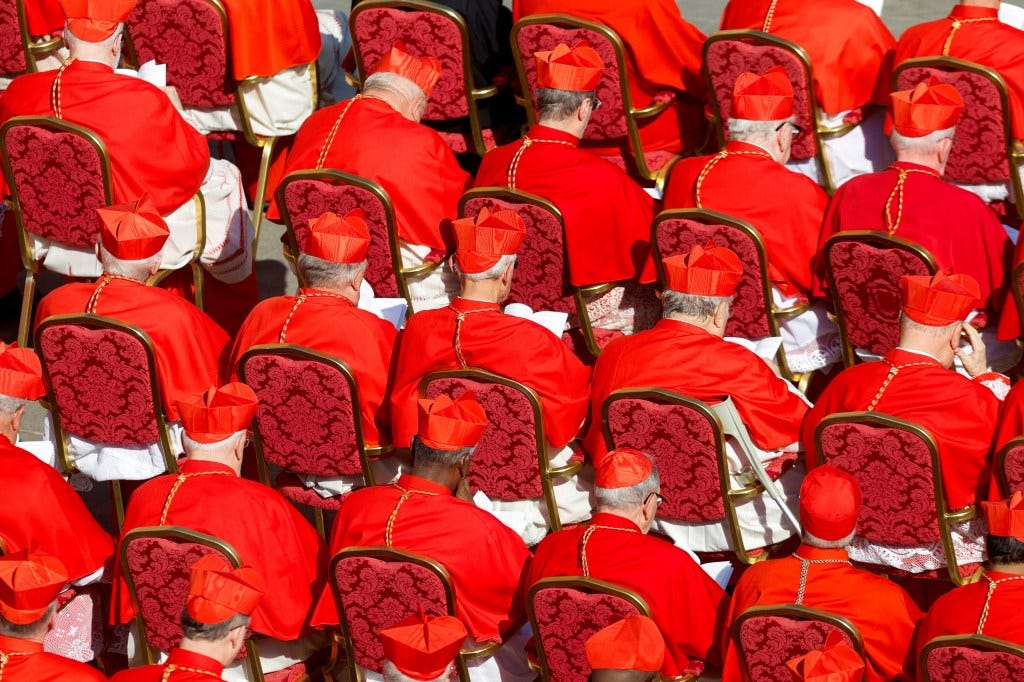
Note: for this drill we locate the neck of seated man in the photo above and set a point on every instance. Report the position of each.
(227, 452)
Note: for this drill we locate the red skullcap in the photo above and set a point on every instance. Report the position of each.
(215, 414)
(447, 424)
(633, 643)
(622, 468)
(836, 662)
(482, 243)
(132, 231)
(705, 271)
(578, 68)
(339, 239)
(768, 97)
(29, 583)
(929, 107)
(1006, 517)
(95, 20)
(940, 300)
(217, 592)
(21, 375)
(421, 646)
(423, 71)
(830, 500)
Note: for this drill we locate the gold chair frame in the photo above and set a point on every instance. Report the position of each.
(391, 555)
(473, 94)
(1000, 464)
(796, 612)
(879, 240)
(31, 49)
(774, 313)
(366, 454)
(633, 114)
(1015, 288)
(821, 132)
(60, 437)
(548, 473)
(581, 295)
(946, 518)
(980, 642)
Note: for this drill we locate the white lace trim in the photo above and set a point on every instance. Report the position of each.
(968, 545)
(999, 386)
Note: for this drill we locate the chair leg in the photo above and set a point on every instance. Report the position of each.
(27, 304)
(197, 286)
(261, 190)
(115, 491)
(318, 514)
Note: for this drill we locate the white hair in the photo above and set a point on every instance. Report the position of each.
(690, 305)
(744, 130)
(74, 43)
(9, 405)
(318, 272)
(815, 541)
(395, 84)
(132, 269)
(193, 446)
(923, 144)
(630, 497)
(493, 272)
(392, 674)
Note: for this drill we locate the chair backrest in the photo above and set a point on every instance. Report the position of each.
(685, 439)
(565, 612)
(678, 231)
(506, 462)
(1010, 467)
(948, 659)
(306, 195)
(542, 274)
(376, 587)
(308, 417)
(863, 270)
(727, 54)
(192, 38)
(983, 131)
(14, 39)
(766, 637)
(58, 173)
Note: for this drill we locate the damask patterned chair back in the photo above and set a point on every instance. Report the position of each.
(191, 38)
(863, 270)
(306, 195)
(13, 38)
(566, 612)
(542, 274)
(975, 657)
(766, 637)
(1010, 467)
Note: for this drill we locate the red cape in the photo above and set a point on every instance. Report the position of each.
(290, 25)
(40, 666)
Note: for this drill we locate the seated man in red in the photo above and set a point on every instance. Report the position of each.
(418, 513)
(991, 606)
(29, 587)
(422, 648)
(914, 382)
(607, 216)
(615, 547)
(911, 200)
(378, 136)
(629, 650)
(663, 53)
(685, 353)
(215, 426)
(215, 622)
(187, 345)
(749, 181)
(819, 576)
(473, 332)
(331, 267)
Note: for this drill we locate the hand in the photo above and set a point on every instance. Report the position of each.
(462, 490)
(975, 362)
(172, 94)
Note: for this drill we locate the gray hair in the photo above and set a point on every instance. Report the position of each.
(558, 105)
(690, 305)
(34, 630)
(139, 270)
(393, 674)
(10, 405)
(627, 498)
(318, 273)
(493, 272)
(815, 541)
(908, 325)
(193, 629)
(396, 85)
(228, 443)
(743, 130)
(923, 144)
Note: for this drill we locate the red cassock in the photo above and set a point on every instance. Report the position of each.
(268, 533)
(506, 345)
(678, 356)
(365, 346)
(958, 412)
(187, 345)
(785, 207)
(1011, 419)
(849, 46)
(188, 667)
(688, 606)
(44, 17)
(663, 52)
(959, 612)
(154, 150)
(883, 613)
(1009, 321)
(27, 662)
(954, 225)
(42, 513)
(981, 39)
(488, 580)
(409, 160)
(292, 26)
(607, 215)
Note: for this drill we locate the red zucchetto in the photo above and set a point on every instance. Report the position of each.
(633, 643)
(482, 242)
(705, 271)
(577, 68)
(95, 20)
(623, 468)
(339, 239)
(768, 97)
(423, 71)
(217, 592)
(421, 646)
(830, 500)
(446, 424)
(929, 107)
(132, 231)
(939, 300)
(215, 414)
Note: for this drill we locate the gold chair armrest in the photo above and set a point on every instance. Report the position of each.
(352, 80)
(1017, 149)
(421, 269)
(51, 44)
(654, 108)
(961, 515)
(158, 277)
(748, 492)
(596, 289)
(380, 451)
(837, 131)
(565, 470)
(791, 311)
(484, 93)
(485, 650)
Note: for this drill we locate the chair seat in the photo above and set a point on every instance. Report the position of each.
(292, 488)
(577, 344)
(656, 160)
(965, 570)
(462, 143)
(292, 673)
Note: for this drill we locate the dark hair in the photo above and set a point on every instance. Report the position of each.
(193, 629)
(425, 456)
(559, 104)
(27, 630)
(1004, 550)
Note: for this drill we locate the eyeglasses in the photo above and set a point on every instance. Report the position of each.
(657, 497)
(796, 129)
(595, 103)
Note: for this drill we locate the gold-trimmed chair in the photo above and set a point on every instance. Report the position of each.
(511, 460)
(1009, 467)
(727, 54)
(899, 471)
(945, 659)
(18, 50)
(376, 587)
(618, 120)
(766, 637)
(428, 29)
